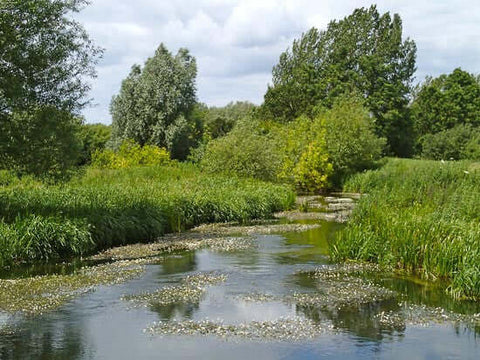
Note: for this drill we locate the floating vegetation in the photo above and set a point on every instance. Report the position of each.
(258, 297)
(174, 243)
(190, 290)
(36, 295)
(340, 294)
(6, 331)
(422, 315)
(225, 229)
(284, 329)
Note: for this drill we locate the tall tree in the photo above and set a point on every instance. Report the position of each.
(155, 102)
(45, 57)
(363, 53)
(447, 101)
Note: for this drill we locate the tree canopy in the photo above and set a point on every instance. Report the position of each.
(363, 53)
(45, 59)
(155, 102)
(447, 101)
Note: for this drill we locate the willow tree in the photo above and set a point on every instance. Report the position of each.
(364, 53)
(45, 59)
(155, 103)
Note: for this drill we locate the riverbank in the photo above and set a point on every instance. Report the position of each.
(422, 217)
(106, 208)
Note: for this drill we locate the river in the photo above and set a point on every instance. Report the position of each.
(275, 296)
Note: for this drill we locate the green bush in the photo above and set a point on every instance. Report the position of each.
(130, 154)
(459, 142)
(305, 161)
(313, 170)
(94, 137)
(41, 141)
(351, 142)
(245, 151)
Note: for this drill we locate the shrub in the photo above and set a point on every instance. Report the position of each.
(313, 170)
(351, 143)
(130, 154)
(305, 161)
(94, 137)
(246, 151)
(459, 142)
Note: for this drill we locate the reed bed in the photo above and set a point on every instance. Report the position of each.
(106, 208)
(422, 217)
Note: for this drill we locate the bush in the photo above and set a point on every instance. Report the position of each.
(460, 142)
(305, 160)
(313, 170)
(351, 143)
(130, 154)
(246, 151)
(94, 137)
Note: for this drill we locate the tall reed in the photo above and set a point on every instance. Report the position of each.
(106, 208)
(419, 216)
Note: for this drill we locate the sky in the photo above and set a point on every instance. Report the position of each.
(237, 42)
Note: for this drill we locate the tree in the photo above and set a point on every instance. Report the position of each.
(41, 141)
(446, 101)
(93, 137)
(364, 53)
(45, 58)
(219, 121)
(351, 141)
(155, 103)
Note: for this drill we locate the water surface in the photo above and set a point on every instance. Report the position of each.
(102, 325)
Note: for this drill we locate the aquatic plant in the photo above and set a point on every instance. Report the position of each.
(422, 217)
(106, 208)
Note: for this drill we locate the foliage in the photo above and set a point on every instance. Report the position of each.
(155, 102)
(313, 170)
(219, 121)
(419, 216)
(305, 161)
(362, 53)
(113, 207)
(459, 142)
(94, 137)
(351, 142)
(245, 151)
(129, 155)
(45, 57)
(446, 101)
(42, 141)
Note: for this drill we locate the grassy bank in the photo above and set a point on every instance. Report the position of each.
(106, 208)
(419, 216)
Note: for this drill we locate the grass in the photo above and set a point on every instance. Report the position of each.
(422, 217)
(106, 208)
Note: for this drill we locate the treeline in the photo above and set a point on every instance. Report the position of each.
(340, 99)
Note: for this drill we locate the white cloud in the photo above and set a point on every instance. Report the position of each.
(237, 42)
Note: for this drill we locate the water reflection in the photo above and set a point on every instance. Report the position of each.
(270, 268)
(179, 263)
(175, 311)
(309, 246)
(44, 338)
